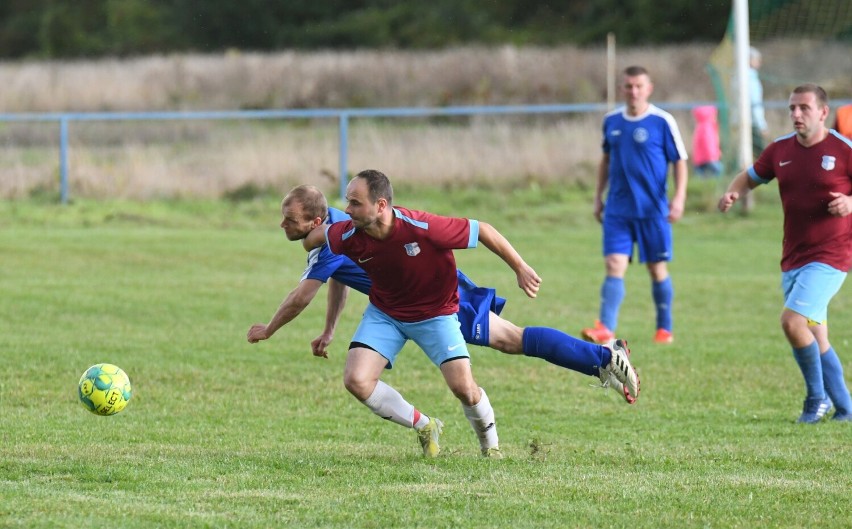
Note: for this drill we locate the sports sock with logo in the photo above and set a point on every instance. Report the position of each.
(809, 363)
(481, 418)
(612, 294)
(387, 403)
(565, 351)
(835, 384)
(663, 293)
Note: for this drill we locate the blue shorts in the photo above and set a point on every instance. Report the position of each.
(475, 303)
(440, 337)
(653, 236)
(809, 289)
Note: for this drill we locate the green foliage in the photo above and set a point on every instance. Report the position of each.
(132, 27)
(221, 433)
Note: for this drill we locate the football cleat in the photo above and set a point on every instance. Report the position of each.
(492, 453)
(621, 370)
(598, 334)
(429, 436)
(814, 410)
(608, 380)
(663, 336)
(618, 387)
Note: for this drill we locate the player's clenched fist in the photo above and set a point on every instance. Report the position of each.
(728, 200)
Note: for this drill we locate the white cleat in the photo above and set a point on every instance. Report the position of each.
(617, 386)
(620, 374)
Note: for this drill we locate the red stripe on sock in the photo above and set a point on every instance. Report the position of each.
(416, 417)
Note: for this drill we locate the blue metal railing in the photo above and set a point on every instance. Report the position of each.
(342, 115)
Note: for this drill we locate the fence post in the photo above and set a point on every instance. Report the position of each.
(344, 153)
(63, 159)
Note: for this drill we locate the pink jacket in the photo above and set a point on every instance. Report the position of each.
(705, 138)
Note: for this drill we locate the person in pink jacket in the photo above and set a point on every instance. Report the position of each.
(706, 154)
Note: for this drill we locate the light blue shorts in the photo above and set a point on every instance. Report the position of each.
(809, 289)
(440, 337)
(653, 236)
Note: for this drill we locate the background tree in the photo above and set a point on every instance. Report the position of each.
(87, 28)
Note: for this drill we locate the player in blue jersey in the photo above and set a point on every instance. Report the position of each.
(414, 295)
(305, 207)
(640, 141)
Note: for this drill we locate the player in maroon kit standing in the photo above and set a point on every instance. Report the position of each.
(813, 167)
(408, 256)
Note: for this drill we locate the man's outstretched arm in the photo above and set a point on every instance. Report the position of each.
(295, 302)
(337, 294)
(739, 187)
(528, 280)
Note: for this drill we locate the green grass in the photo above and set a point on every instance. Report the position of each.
(221, 433)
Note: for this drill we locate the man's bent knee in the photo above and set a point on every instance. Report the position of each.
(361, 387)
(468, 393)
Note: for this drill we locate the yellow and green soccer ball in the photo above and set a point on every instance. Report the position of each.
(104, 389)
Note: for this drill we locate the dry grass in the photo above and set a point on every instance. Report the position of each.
(156, 159)
(488, 152)
(340, 79)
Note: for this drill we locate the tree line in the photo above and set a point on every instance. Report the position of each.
(62, 29)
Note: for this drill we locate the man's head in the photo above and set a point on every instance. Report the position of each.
(808, 112)
(637, 88)
(303, 209)
(369, 195)
(755, 59)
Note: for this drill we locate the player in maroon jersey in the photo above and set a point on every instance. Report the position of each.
(813, 167)
(408, 256)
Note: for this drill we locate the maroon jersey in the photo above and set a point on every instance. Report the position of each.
(805, 177)
(413, 271)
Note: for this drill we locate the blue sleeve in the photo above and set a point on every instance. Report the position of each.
(473, 238)
(322, 265)
(756, 177)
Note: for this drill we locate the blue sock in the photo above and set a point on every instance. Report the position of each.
(663, 293)
(612, 294)
(809, 362)
(565, 351)
(835, 384)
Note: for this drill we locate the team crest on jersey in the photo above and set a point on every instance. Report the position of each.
(412, 249)
(640, 135)
(828, 162)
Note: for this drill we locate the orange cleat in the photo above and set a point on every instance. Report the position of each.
(598, 334)
(663, 336)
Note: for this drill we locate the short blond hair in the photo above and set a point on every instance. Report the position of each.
(312, 200)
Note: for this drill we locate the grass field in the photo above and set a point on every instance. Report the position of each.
(221, 433)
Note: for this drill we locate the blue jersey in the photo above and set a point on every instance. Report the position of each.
(640, 150)
(322, 264)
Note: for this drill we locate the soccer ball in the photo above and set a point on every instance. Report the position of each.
(104, 389)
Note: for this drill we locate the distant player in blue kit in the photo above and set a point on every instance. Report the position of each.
(640, 141)
(305, 209)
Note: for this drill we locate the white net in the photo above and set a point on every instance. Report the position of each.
(800, 41)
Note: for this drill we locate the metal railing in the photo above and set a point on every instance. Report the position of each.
(343, 116)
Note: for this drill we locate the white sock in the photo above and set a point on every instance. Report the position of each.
(388, 404)
(481, 418)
